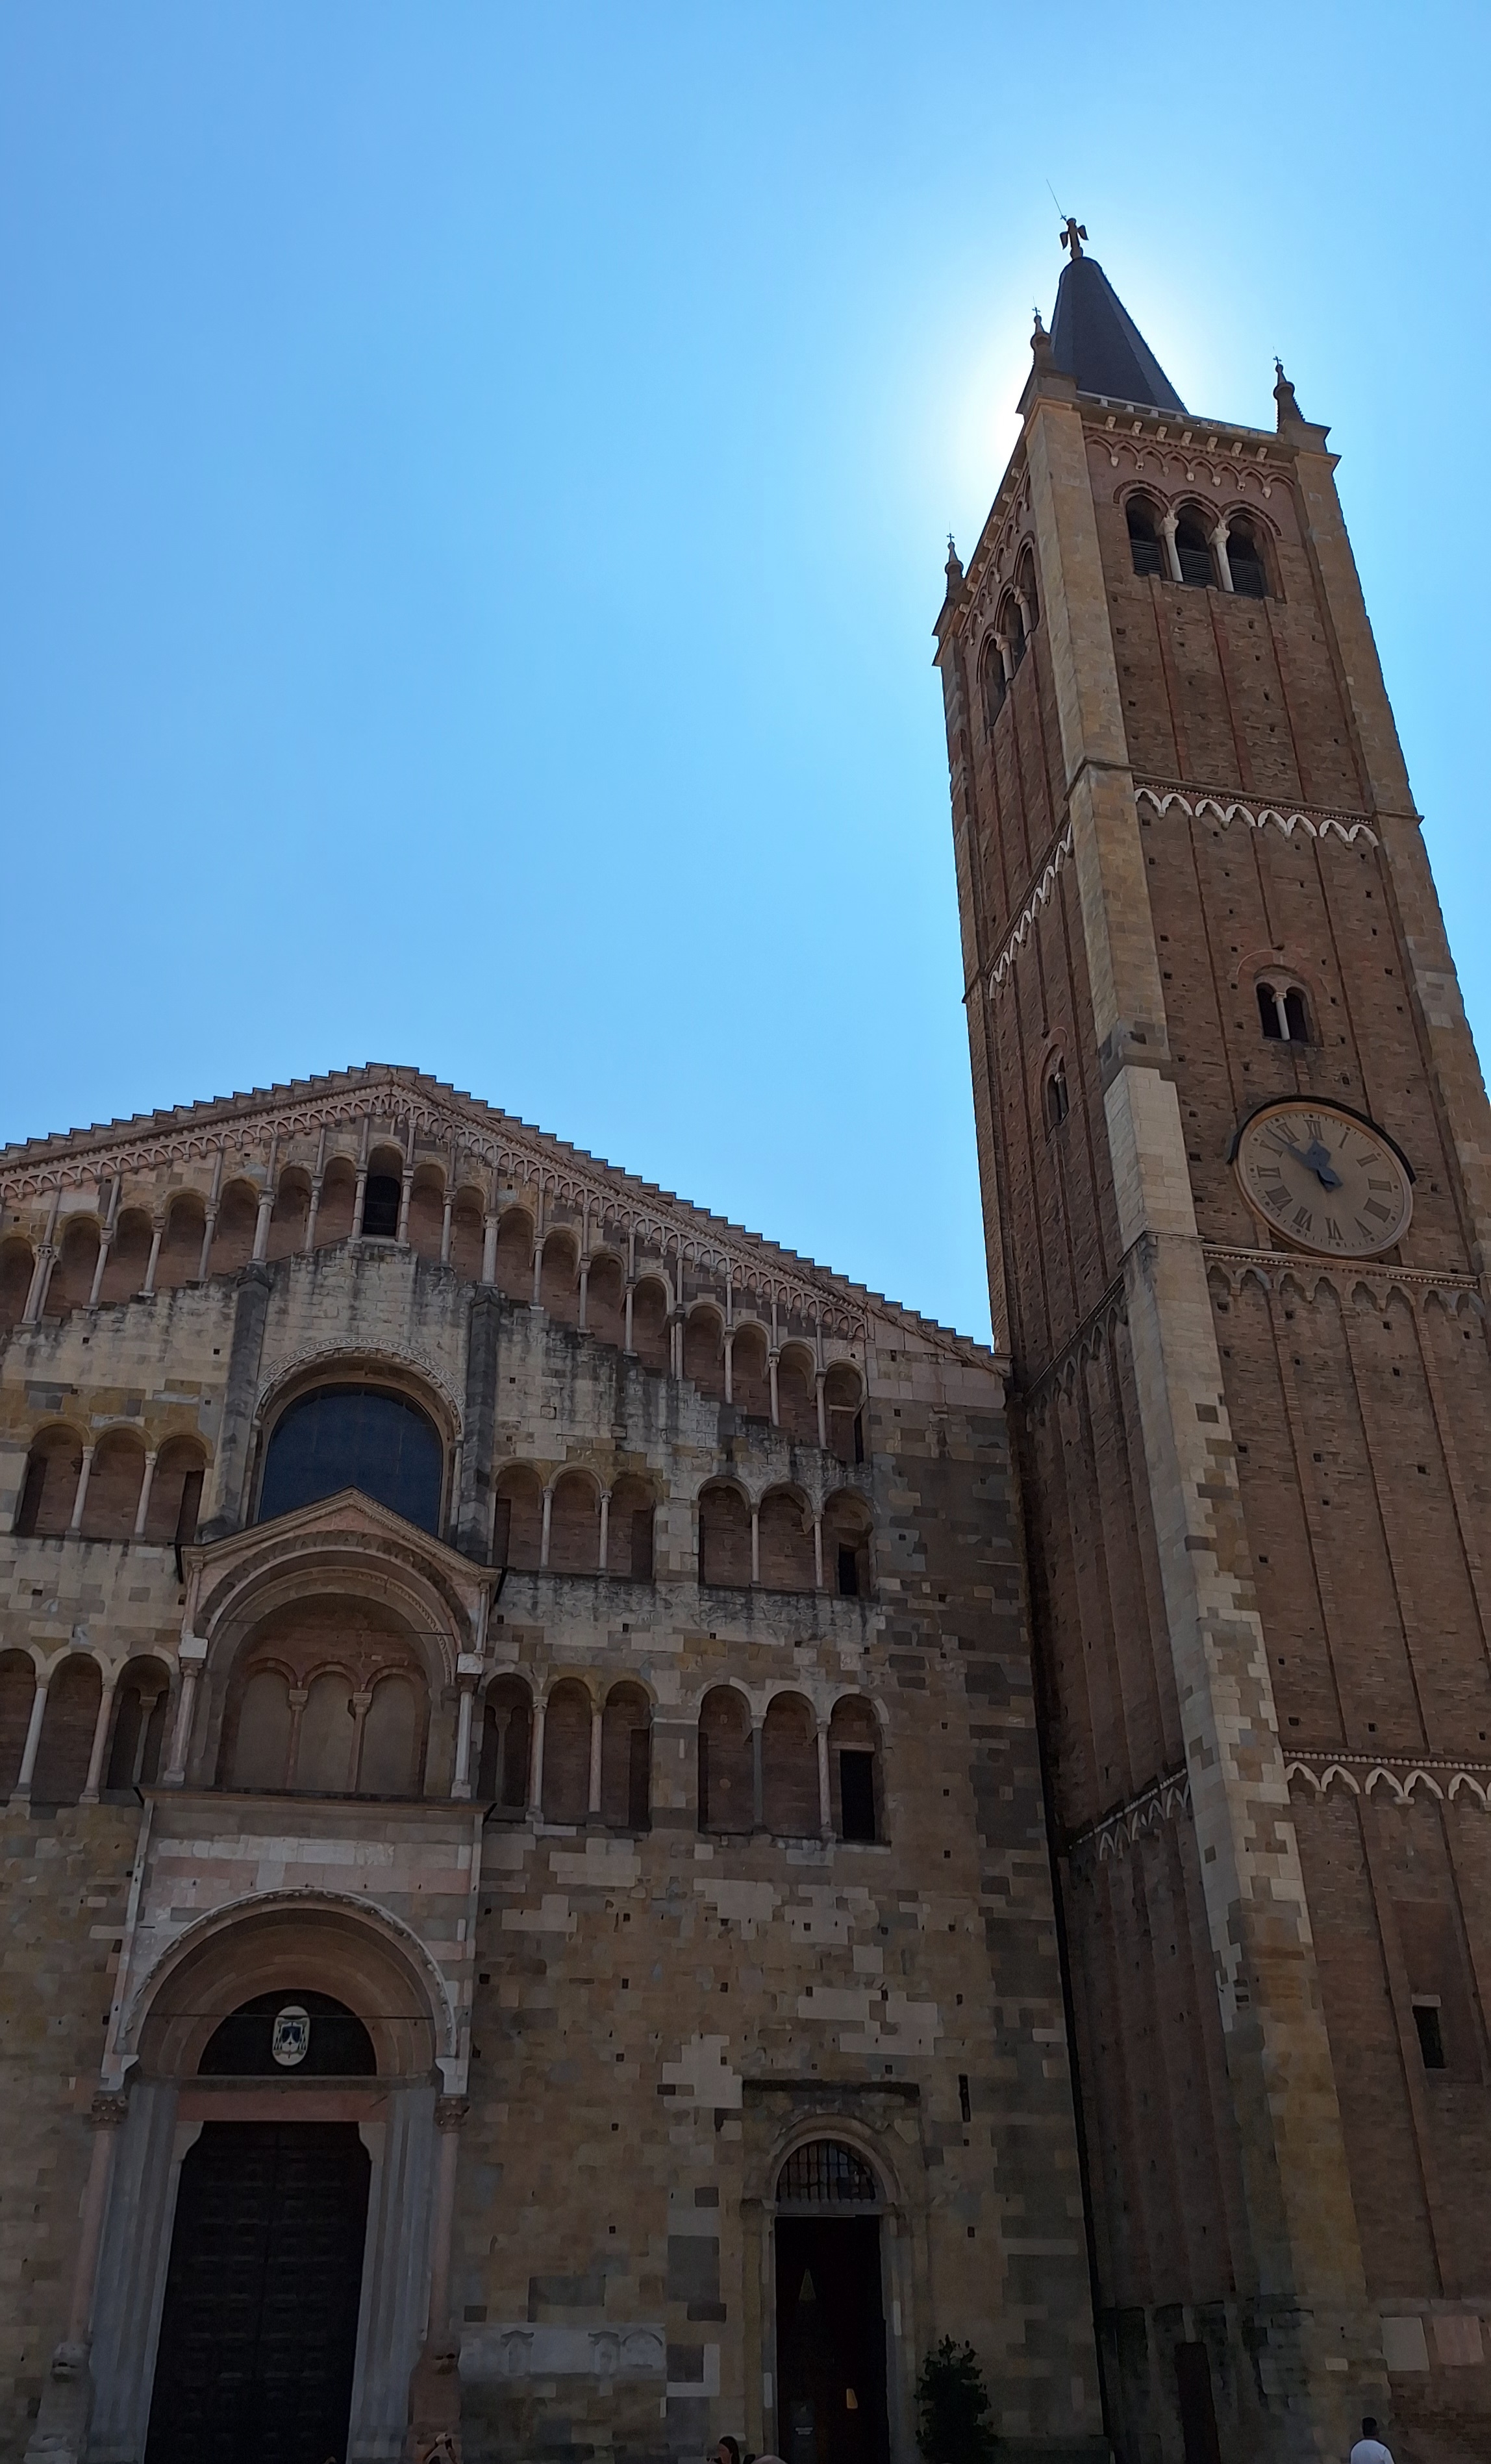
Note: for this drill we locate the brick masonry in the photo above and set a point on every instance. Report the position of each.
(1254, 1479)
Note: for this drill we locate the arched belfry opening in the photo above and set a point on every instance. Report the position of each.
(829, 2310)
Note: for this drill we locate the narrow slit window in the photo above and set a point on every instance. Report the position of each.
(857, 1792)
(1430, 2035)
(1059, 1101)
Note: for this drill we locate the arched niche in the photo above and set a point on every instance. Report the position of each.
(328, 1696)
(331, 1589)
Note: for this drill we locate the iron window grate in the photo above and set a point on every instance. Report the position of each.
(826, 2174)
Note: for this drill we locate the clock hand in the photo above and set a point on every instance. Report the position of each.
(1315, 1159)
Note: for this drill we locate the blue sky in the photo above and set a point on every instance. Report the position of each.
(473, 485)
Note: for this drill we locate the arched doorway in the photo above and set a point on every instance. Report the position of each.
(263, 2272)
(258, 2328)
(830, 2314)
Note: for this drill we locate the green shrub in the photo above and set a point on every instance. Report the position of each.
(953, 2408)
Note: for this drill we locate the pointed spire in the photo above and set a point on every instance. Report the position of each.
(1291, 421)
(1096, 341)
(953, 569)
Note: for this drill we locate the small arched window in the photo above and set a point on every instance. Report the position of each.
(992, 679)
(1245, 561)
(1144, 538)
(1193, 550)
(381, 1202)
(1057, 1100)
(1283, 1013)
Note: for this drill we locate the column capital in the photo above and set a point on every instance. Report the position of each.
(450, 2111)
(109, 2109)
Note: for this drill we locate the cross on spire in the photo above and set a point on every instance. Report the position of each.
(1072, 234)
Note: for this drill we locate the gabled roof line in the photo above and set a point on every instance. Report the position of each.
(26, 1161)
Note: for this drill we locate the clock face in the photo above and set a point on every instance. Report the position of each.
(1323, 1180)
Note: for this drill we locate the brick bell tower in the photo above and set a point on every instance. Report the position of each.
(1236, 1168)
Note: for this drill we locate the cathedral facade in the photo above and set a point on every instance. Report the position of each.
(528, 1927)
(1236, 1163)
(608, 1837)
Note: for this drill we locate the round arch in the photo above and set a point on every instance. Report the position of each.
(364, 1957)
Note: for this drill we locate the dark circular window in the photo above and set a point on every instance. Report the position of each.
(289, 2034)
(354, 1437)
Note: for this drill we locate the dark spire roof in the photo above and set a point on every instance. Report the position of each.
(1096, 341)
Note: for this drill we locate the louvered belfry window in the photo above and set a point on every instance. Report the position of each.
(826, 2173)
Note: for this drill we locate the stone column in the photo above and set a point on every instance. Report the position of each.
(192, 1656)
(461, 1777)
(1169, 523)
(755, 1544)
(819, 1383)
(548, 1516)
(266, 1208)
(60, 2436)
(1224, 571)
(80, 1494)
(157, 1235)
(825, 1791)
(142, 1508)
(818, 1553)
(105, 1244)
(598, 1725)
(536, 1760)
(771, 1360)
(41, 1272)
(101, 1738)
(605, 1547)
(20, 1794)
(758, 1783)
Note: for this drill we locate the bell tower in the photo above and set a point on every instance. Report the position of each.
(1236, 1158)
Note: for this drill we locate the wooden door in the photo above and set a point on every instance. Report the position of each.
(258, 2334)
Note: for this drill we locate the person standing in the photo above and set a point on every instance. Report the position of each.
(1368, 2448)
